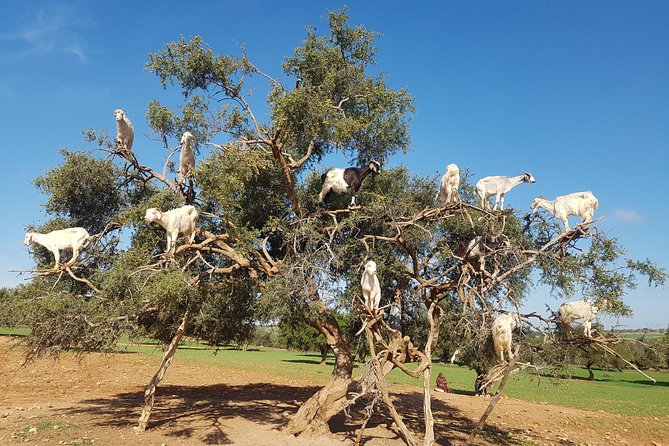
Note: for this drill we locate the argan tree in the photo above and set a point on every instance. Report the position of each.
(266, 249)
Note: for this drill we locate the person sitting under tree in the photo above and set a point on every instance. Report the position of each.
(442, 384)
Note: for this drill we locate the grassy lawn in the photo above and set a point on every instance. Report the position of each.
(626, 392)
(648, 336)
(20, 331)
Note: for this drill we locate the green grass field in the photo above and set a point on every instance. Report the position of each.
(636, 335)
(626, 392)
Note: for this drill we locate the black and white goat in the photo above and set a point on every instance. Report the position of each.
(340, 180)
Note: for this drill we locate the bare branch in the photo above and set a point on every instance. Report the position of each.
(297, 164)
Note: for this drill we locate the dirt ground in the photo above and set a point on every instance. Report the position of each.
(97, 401)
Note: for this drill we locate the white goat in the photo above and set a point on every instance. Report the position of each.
(579, 309)
(75, 239)
(125, 132)
(187, 157)
(498, 186)
(502, 333)
(179, 220)
(478, 248)
(455, 355)
(582, 204)
(450, 183)
(371, 289)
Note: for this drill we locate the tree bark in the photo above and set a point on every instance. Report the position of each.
(150, 391)
(381, 385)
(324, 353)
(591, 375)
(288, 179)
(493, 403)
(434, 315)
(313, 415)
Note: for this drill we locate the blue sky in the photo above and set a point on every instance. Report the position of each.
(575, 92)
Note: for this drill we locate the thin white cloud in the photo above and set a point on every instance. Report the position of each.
(77, 51)
(628, 216)
(51, 29)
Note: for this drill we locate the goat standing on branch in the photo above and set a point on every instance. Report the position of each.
(499, 186)
(580, 309)
(187, 157)
(450, 182)
(582, 204)
(340, 180)
(502, 334)
(75, 239)
(179, 220)
(371, 289)
(125, 132)
(477, 249)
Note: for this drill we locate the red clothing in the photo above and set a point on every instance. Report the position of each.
(442, 384)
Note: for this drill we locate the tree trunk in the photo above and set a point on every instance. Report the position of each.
(493, 403)
(150, 391)
(327, 402)
(591, 375)
(288, 179)
(380, 379)
(324, 353)
(434, 315)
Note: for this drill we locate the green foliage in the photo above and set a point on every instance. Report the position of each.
(160, 118)
(295, 334)
(340, 105)
(227, 312)
(257, 195)
(243, 186)
(664, 348)
(193, 66)
(62, 320)
(85, 190)
(165, 123)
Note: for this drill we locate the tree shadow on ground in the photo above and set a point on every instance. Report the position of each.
(647, 382)
(450, 427)
(200, 413)
(330, 361)
(196, 412)
(308, 361)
